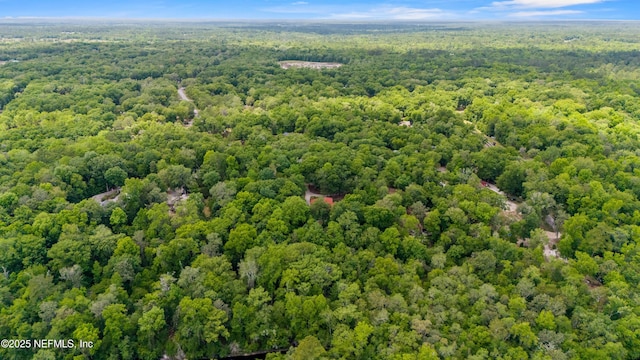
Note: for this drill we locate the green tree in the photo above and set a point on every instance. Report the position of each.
(491, 162)
(241, 239)
(115, 176)
(200, 328)
(118, 218)
(512, 179)
(308, 348)
(151, 333)
(295, 212)
(175, 176)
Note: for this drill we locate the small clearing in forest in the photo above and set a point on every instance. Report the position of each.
(287, 64)
(107, 197)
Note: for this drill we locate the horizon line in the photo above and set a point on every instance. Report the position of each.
(304, 20)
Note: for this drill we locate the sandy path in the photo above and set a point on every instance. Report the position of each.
(183, 96)
(513, 206)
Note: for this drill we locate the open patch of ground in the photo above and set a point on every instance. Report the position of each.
(175, 196)
(107, 197)
(287, 64)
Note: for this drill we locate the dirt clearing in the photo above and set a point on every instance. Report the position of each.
(287, 64)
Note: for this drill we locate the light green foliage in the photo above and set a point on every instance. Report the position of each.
(118, 217)
(309, 348)
(295, 212)
(546, 320)
(151, 322)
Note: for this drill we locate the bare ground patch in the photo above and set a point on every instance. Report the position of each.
(287, 64)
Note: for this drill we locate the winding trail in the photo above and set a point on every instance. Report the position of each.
(183, 96)
(513, 206)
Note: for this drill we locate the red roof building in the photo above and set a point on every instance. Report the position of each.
(327, 199)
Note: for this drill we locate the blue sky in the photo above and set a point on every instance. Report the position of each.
(428, 10)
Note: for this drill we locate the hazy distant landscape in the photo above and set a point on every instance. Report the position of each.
(319, 190)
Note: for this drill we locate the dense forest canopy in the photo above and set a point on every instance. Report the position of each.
(452, 191)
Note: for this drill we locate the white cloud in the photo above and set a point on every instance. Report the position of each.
(545, 13)
(394, 13)
(543, 3)
(298, 9)
(372, 12)
(404, 13)
(535, 8)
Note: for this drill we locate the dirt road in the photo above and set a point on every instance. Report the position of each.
(510, 204)
(183, 96)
